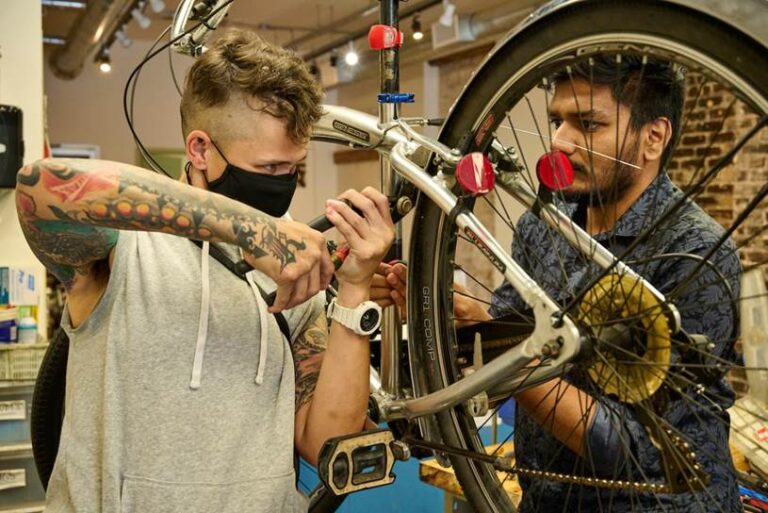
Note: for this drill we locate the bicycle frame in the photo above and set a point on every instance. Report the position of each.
(396, 141)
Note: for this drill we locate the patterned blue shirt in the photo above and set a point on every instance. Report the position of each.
(617, 442)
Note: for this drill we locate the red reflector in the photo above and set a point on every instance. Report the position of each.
(382, 37)
(554, 171)
(475, 174)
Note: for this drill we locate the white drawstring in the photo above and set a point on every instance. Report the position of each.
(202, 327)
(263, 326)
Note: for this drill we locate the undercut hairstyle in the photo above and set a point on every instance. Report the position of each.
(650, 90)
(239, 66)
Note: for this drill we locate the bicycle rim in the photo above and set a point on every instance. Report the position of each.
(651, 382)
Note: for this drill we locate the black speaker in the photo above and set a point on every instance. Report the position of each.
(11, 144)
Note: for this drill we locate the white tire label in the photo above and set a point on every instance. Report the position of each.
(13, 410)
(13, 478)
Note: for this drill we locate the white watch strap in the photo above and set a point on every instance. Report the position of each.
(342, 315)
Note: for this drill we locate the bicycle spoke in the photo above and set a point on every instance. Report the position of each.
(647, 385)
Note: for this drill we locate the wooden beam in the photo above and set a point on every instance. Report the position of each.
(352, 156)
(481, 49)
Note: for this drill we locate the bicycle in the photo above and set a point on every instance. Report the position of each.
(618, 332)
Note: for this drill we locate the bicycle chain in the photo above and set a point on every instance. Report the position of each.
(610, 484)
(699, 478)
(503, 464)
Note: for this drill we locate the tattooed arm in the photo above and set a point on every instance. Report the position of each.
(331, 380)
(332, 385)
(71, 211)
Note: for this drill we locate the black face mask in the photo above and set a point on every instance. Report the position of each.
(272, 194)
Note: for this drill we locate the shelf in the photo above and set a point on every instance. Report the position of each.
(33, 507)
(14, 448)
(15, 346)
(19, 383)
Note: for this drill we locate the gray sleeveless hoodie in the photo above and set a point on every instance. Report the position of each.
(173, 402)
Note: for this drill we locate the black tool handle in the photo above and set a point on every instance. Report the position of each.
(322, 224)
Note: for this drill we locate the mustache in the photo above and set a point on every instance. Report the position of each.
(578, 168)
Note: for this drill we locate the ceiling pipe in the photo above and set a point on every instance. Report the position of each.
(404, 13)
(64, 4)
(487, 26)
(334, 25)
(53, 40)
(92, 29)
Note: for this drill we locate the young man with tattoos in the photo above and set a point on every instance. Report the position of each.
(182, 394)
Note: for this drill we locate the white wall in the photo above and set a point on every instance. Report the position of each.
(21, 85)
(89, 109)
(321, 179)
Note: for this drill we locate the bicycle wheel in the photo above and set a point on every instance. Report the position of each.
(48, 405)
(665, 401)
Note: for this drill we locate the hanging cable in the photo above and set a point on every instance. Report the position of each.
(173, 71)
(130, 85)
(130, 96)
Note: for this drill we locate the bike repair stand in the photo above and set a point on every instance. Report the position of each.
(386, 38)
(364, 460)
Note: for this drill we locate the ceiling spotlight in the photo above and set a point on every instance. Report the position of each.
(334, 58)
(351, 57)
(141, 18)
(315, 70)
(446, 19)
(157, 6)
(418, 35)
(103, 60)
(124, 40)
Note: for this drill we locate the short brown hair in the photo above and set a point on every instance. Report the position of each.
(242, 64)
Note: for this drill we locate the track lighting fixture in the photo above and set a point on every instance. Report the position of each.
(351, 57)
(417, 34)
(124, 40)
(446, 19)
(157, 6)
(141, 19)
(103, 60)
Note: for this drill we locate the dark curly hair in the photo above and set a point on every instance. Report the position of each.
(241, 64)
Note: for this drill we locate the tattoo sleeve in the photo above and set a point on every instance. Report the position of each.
(71, 212)
(308, 351)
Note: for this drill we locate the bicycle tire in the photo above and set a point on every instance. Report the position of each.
(48, 406)
(431, 260)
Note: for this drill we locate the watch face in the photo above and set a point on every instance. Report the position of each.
(370, 320)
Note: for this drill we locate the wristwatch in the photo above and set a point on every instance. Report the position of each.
(363, 320)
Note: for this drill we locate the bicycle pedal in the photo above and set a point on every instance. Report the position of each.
(360, 461)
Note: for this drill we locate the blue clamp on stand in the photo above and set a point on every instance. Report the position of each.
(396, 97)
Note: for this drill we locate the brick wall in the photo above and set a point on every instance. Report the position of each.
(714, 121)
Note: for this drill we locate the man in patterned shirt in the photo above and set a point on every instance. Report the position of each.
(589, 433)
